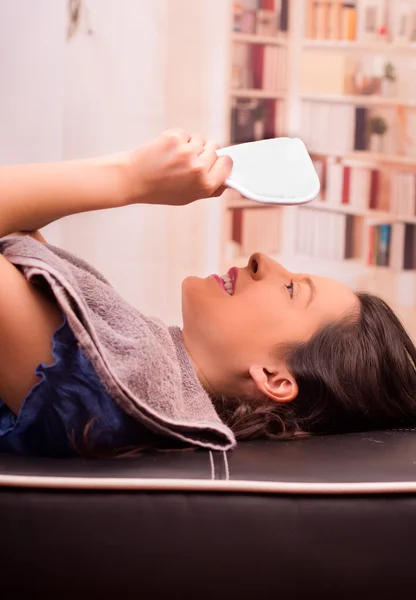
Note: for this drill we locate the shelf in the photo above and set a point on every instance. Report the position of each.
(252, 38)
(251, 93)
(345, 209)
(362, 156)
(244, 203)
(360, 100)
(369, 158)
(358, 46)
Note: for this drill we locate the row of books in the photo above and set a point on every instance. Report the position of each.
(332, 128)
(256, 66)
(403, 194)
(261, 17)
(253, 119)
(388, 130)
(325, 234)
(357, 186)
(367, 187)
(256, 230)
(392, 245)
(362, 20)
(335, 20)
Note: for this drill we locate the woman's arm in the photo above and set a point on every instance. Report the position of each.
(175, 168)
(31, 196)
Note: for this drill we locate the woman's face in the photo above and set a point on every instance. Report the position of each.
(226, 333)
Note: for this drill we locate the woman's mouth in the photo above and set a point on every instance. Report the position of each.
(227, 282)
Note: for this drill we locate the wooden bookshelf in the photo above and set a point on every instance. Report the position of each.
(397, 286)
(373, 214)
(360, 100)
(354, 46)
(254, 93)
(381, 216)
(257, 95)
(363, 157)
(252, 38)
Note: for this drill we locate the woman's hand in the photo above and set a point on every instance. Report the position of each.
(175, 169)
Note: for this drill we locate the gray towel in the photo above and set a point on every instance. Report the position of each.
(141, 362)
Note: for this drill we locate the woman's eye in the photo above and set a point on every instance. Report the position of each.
(290, 288)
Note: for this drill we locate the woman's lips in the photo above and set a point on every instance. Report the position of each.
(220, 282)
(232, 274)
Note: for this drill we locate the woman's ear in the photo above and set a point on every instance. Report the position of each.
(275, 382)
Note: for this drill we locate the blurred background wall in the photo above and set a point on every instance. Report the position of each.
(143, 67)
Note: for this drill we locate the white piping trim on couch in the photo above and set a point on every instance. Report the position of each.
(206, 485)
(227, 468)
(211, 462)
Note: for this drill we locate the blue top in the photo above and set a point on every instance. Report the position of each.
(68, 412)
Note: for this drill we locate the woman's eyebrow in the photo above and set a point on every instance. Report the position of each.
(312, 288)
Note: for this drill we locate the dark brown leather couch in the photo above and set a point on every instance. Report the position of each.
(324, 518)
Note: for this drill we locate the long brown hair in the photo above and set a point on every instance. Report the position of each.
(356, 374)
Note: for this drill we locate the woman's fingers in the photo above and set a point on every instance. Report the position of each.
(219, 173)
(219, 191)
(177, 135)
(196, 145)
(209, 155)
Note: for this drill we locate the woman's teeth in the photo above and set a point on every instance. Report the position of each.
(228, 284)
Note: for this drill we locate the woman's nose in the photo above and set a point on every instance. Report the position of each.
(263, 265)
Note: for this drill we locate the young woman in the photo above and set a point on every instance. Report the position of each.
(279, 354)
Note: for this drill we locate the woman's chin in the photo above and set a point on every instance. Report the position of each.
(190, 291)
(189, 283)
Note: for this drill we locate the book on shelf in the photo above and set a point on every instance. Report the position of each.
(365, 21)
(284, 15)
(353, 185)
(379, 245)
(380, 130)
(258, 66)
(371, 20)
(256, 229)
(349, 20)
(331, 19)
(261, 17)
(403, 22)
(325, 234)
(266, 22)
(324, 20)
(334, 236)
(361, 128)
(367, 187)
(392, 245)
(319, 122)
(360, 187)
(403, 194)
(332, 182)
(256, 119)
